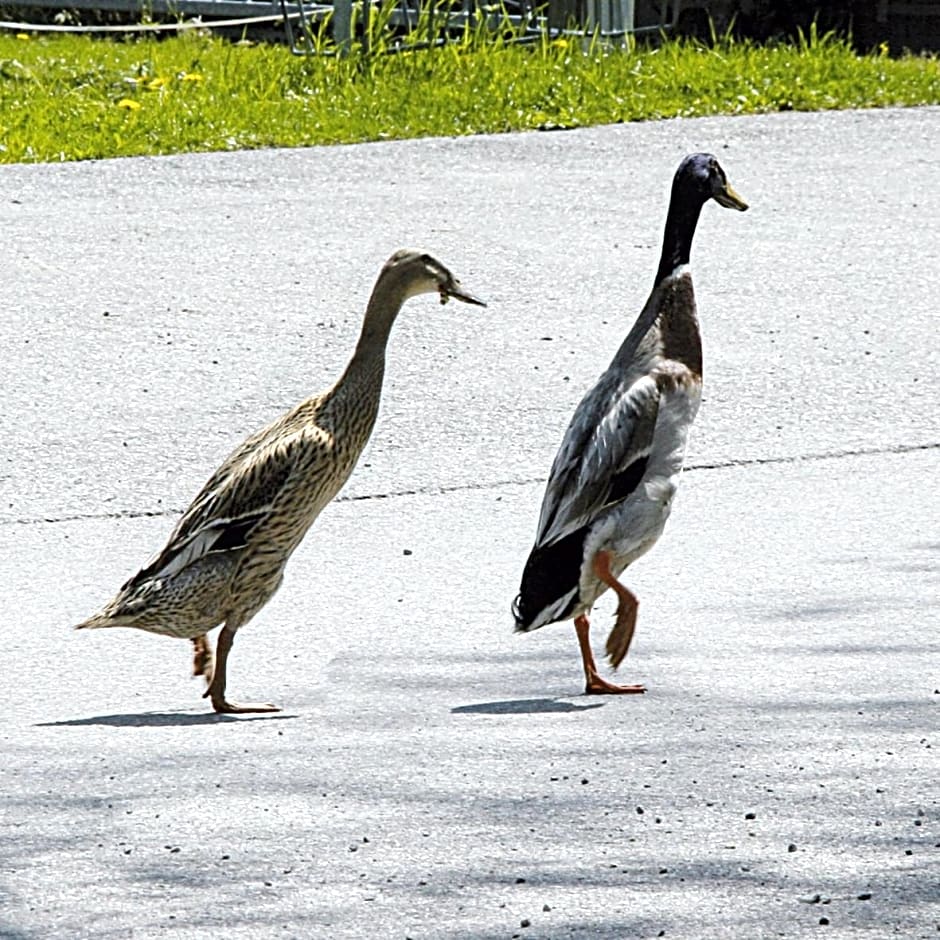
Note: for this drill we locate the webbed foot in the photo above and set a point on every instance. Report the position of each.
(598, 686)
(224, 707)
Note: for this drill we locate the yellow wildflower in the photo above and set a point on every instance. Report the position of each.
(192, 77)
(129, 104)
(156, 83)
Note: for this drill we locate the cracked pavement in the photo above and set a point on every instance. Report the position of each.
(432, 775)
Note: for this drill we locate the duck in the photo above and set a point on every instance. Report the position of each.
(225, 559)
(612, 483)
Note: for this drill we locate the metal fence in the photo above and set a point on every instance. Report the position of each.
(609, 19)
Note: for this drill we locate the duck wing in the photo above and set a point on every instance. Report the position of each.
(603, 455)
(235, 499)
(604, 452)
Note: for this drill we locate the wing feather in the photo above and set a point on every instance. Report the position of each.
(235, 499)
(602, 456)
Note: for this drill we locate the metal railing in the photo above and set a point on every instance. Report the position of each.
(529, 19)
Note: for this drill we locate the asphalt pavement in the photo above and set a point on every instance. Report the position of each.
(432, 774)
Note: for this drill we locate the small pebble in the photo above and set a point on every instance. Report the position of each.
(791, 847)
(407, 551)
(520, 881)
(865, 896)
(824, 920)
(525, 923)
(639, 810)
(545, 908)
(750, 815)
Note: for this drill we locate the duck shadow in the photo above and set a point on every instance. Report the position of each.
(523, 706)
(161, 720)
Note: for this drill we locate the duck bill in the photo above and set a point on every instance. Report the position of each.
(730, 199)
(458, 293)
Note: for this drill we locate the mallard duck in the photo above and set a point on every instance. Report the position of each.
(611, 486)
(226, 557)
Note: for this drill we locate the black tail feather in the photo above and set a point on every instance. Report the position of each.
(550, 573)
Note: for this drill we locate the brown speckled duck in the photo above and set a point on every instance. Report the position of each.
(225, 559)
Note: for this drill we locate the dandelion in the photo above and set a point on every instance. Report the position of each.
(128, 104)
(156, 83)
(191, 77)
(24, 36)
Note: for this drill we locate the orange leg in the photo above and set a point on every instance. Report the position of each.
(619, 640)
(595, 685)
(216, 690)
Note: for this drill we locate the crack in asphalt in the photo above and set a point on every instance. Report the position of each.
(497, 484)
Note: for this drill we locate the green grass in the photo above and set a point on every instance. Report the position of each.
(74, 97)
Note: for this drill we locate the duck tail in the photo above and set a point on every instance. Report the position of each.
(529, 616)
(96, 622)
(520, 614)
(550, 583)
(110, 616)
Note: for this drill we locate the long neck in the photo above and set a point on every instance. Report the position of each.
(386, 301)
(366, 368)
(681, 220)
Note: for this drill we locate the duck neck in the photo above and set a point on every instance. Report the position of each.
(382, 310)
(366, 369)
(681, 220)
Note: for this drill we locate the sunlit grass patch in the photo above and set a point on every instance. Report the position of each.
(72, 97)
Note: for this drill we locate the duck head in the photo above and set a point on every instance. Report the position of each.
(420, 273)
(701, 173)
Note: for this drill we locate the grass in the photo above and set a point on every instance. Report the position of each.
(75, 97)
